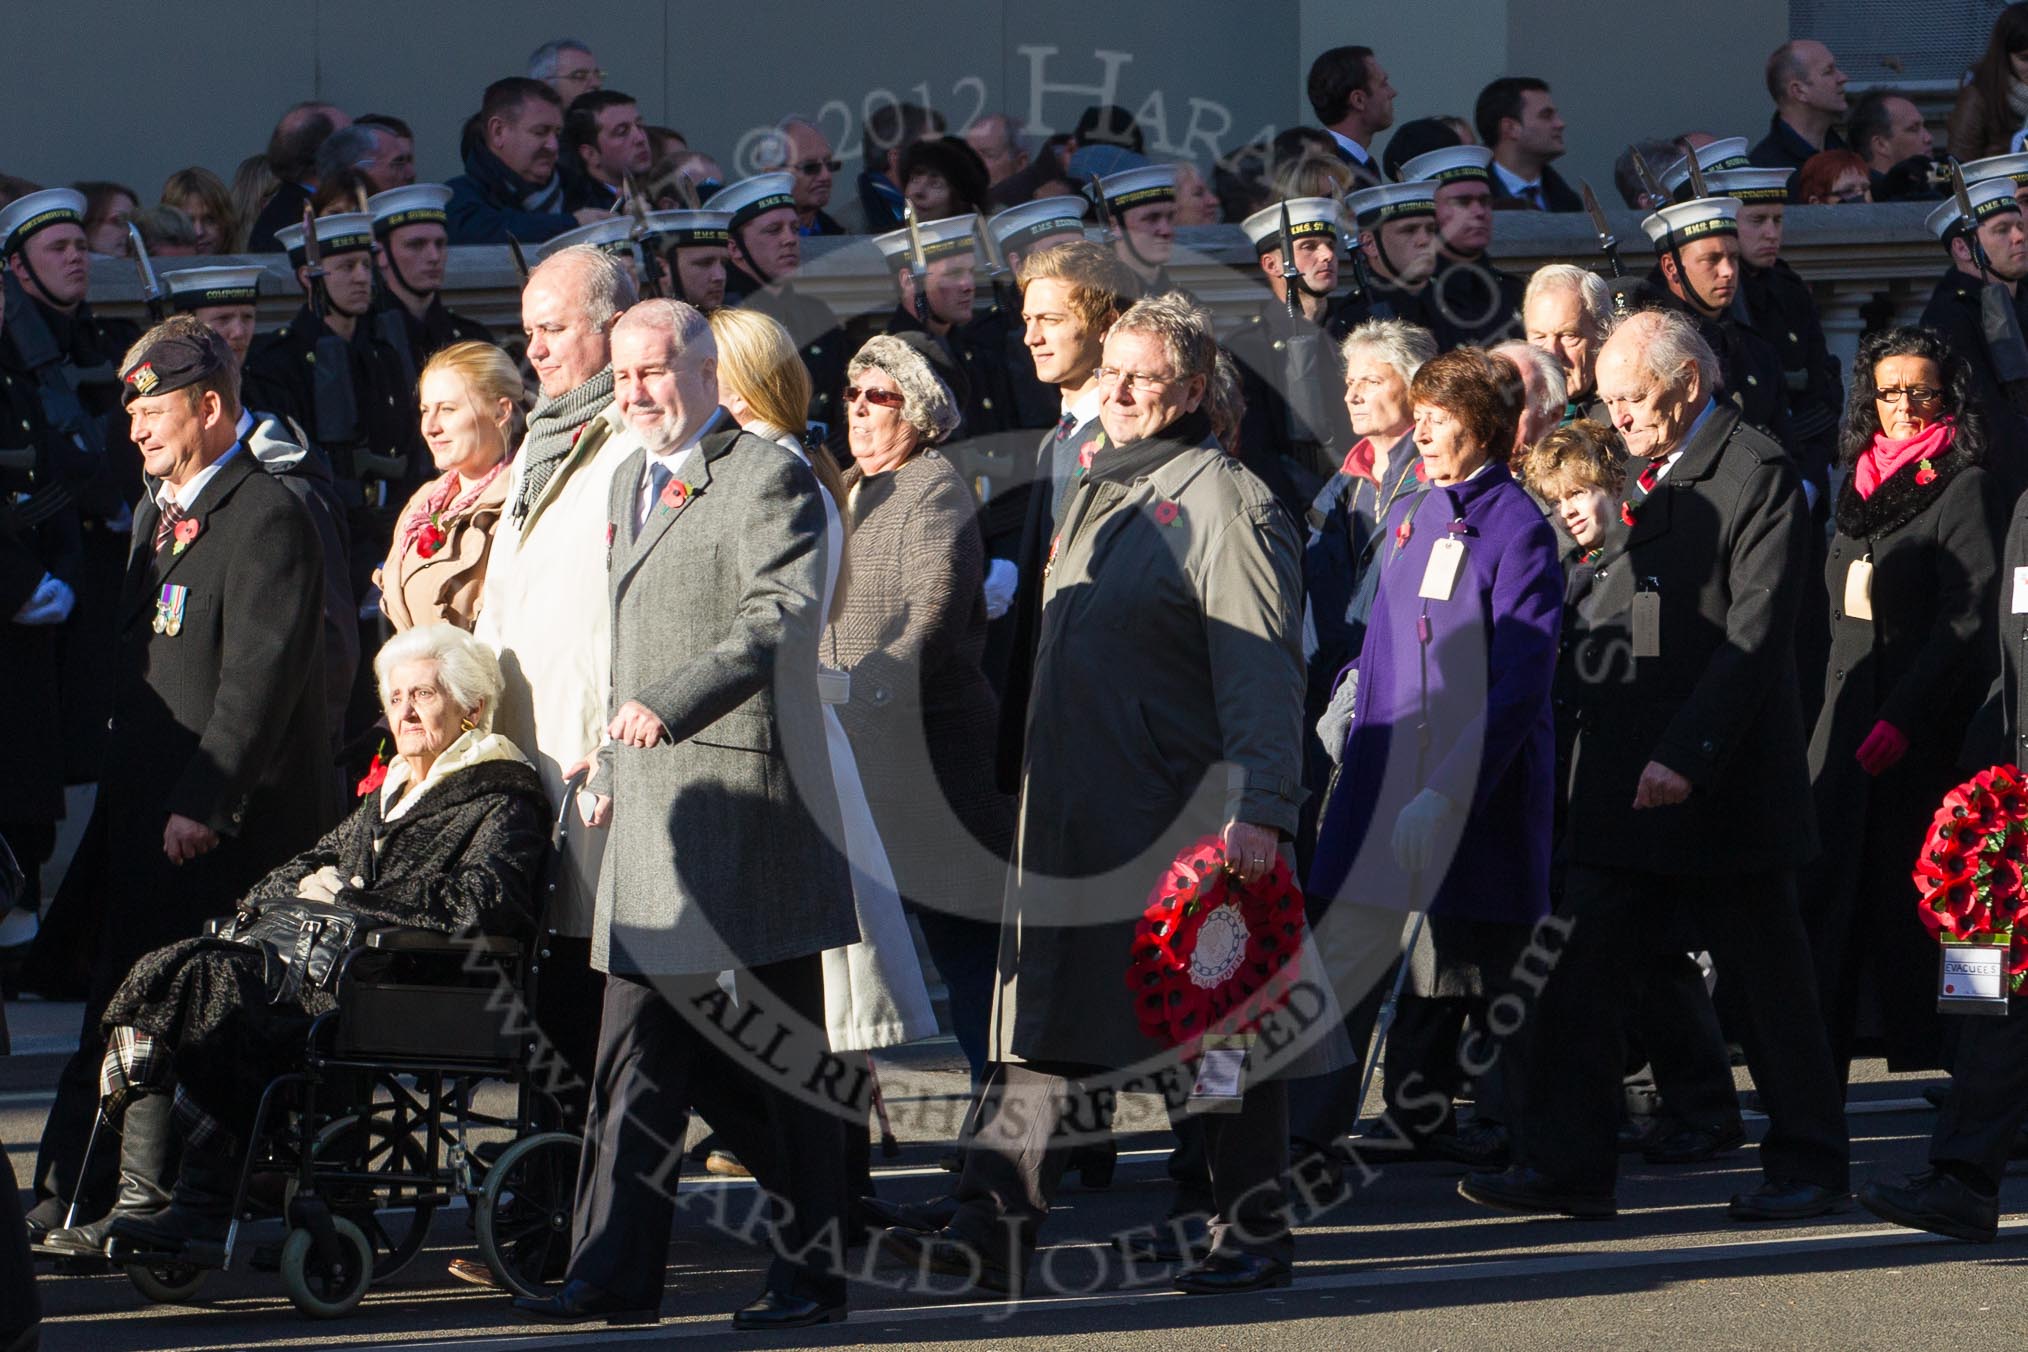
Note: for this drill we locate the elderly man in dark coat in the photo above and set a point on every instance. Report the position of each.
(223, 763)
(1689, 798)
(1168, 692)
(726, 850)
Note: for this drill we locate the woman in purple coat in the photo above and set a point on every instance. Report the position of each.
(1443, 798)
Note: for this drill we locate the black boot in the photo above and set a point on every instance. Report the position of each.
(146, 1143)
(197, 1219)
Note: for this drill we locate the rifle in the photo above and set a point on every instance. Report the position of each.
(1609, 245)
(1292, 276)
(918, 265)
(151, 285)
(1999, 323)
(1107, 233)
(1006, 295)
(644, 239)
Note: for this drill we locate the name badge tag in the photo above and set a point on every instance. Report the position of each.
(1221, 1075)
(1972, 979)
(1859, 589)
(1440, 578)
(1647, 624)
(2021, 591)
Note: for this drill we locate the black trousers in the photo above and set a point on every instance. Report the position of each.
(1684, 1046)
(1033, 1110)
(18, 1307)
(1767, 993)
(568, 996)
(1989, 1095)
(654, 1066)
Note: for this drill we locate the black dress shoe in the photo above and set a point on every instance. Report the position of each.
(882, 1214)
(946, 1251)
(1782, 1200)
(1165, 1244)
(1693, 1145)
(581, 1302)
(1937, 1203)
(1477, 1145)
(1533, 1192)
(773, 1311)
(1226, 1274)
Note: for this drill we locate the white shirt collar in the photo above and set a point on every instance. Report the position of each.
(186, 496)
(1351, 147)
(1514, 183)
(1086, 406)
(676, 459)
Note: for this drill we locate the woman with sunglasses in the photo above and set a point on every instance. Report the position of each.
(1911, 576)
(910, 631)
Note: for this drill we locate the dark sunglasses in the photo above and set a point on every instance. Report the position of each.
(884, 398)
(811, 168)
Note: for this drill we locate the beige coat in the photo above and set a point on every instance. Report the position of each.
(445, 586)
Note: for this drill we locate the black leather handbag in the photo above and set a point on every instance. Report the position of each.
(302, 944)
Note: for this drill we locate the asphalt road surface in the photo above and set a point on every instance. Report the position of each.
(1405, 1263)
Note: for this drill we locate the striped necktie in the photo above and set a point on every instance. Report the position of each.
(166, 527)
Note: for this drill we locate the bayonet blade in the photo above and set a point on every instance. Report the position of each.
(1697, 188)
(1107, 234)
(151, 285)
(1606, 239)
(1649, 183)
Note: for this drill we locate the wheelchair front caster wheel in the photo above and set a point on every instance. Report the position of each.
(327, 1290)
(166, 1283)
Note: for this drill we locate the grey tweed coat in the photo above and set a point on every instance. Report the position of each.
(725, 838)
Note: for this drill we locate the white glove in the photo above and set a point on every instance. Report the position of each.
(323, 885)
(51, 603)
(1415, 830)
(1336, 723)
(1002, 577)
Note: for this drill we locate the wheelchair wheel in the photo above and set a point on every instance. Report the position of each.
(166, 1283)
(396, 1229)
(327, 1291)
(524, 1213)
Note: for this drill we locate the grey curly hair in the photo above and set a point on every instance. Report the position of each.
(927, 403)
(466, 668)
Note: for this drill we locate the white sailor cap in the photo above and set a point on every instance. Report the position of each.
(345, 232)
(748, 198)
(1140, 187)
(1452, 164)
(1989, 198)
(1678, 224)
(1751, 186)
(196, 288)
(2013, 167)
(615, 236)
(1025, 227)
(1391, 202)
(945, 238)
(1307, 216)
(685, 229)
(414, 204)
(28, 215)
(1729, 153)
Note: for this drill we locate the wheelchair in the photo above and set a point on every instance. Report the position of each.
(358, 1150)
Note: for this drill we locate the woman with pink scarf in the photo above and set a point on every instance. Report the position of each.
(1911, 573)
(470, 396)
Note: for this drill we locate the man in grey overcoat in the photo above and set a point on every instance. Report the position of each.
(724, 855)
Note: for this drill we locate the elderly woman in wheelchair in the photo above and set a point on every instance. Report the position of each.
(451, 839)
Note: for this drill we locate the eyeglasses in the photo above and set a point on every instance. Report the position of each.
(812, 168)
(884, 398)
(587, 74)
(1923, 395)
(1134, 381)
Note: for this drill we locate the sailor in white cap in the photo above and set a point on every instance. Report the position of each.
(225, 298)
(1727, 153)
(941, 299)
(1014, 235)
(412, 225)
(1138, 210)
(690, 249)
(1296, 426)
(42, 238)
(1471, 301)
(2011, 167)
(1990, 249)
(613, 235)
(1021, 230)
(1395, 224)
(1698, 272)
(764, 251)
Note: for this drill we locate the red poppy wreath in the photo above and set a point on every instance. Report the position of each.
(1210, 949)
(1970, 871)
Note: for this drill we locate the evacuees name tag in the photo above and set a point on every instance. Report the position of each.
(2021, 591)
(1440, 578)
(1859, 589)
(1647, 624)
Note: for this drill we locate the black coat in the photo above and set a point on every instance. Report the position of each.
(222, 722)
(1724, 539)
(818, 335)
(466, 857)
(1471, 303)
(1784, 315)
(1953, 310)
(38, 536)
(1751, 370)
(1295, 429)
(1922, 663)
(1556, 195)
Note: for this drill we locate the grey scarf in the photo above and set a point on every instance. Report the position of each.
(2017, 100)
(553, 427)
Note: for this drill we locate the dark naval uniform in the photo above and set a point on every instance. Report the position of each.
(1953, 310)
(438, 328)
(1295, 428)
(1471, 303)
(817, 334)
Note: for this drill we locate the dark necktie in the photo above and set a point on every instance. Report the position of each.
(166, 527)
(658, 479)
(1065, 426)
(1534, 192)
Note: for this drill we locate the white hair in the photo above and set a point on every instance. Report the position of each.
(1592, 292)
(685, 324)
(1551, 391)
(466, 668)
(1181, 326)
(603, 287)
(1669, 345)
(546, 61)
(927, 404)
(1398, 343)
